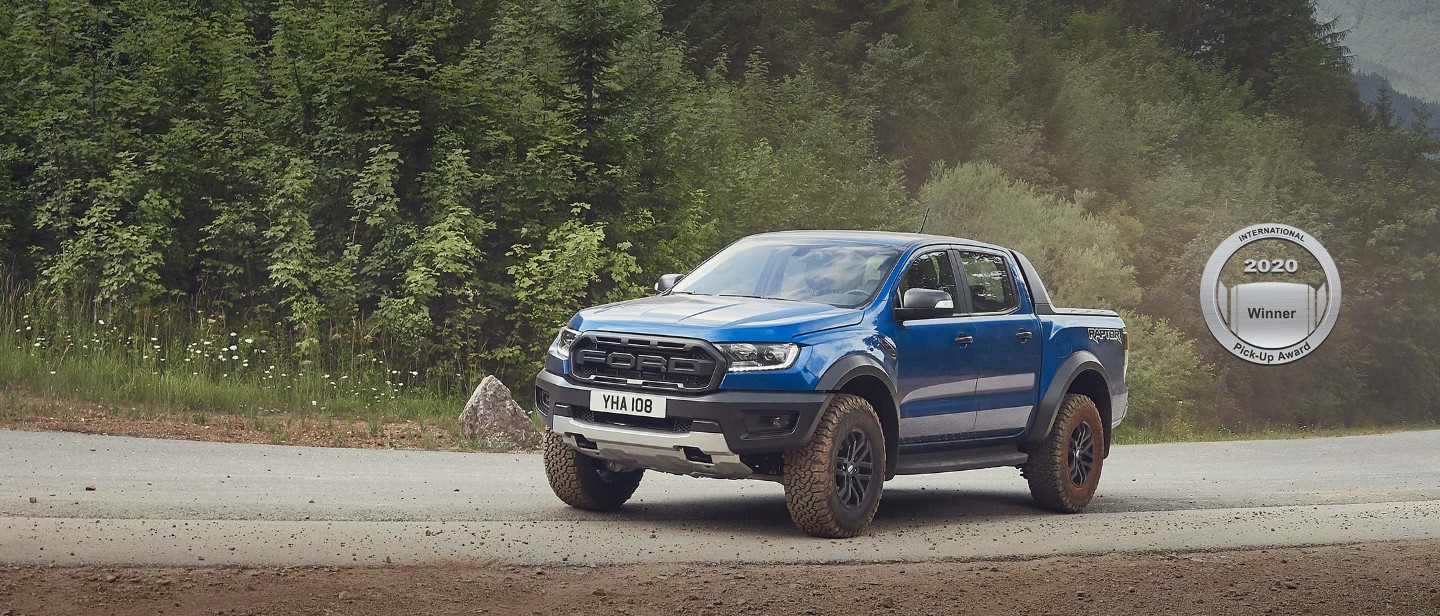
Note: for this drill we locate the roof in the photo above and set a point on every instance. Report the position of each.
(886, 238)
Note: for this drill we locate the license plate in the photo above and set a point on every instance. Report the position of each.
(627, 404)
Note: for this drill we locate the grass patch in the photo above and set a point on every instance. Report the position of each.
(27, 411)
(1128, 435)
(202, 365)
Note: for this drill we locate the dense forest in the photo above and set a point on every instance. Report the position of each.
(429, 190)
(1377, 92)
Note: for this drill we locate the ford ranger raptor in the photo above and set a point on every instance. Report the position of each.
(832, 361)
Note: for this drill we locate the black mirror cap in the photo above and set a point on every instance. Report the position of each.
(667, 282)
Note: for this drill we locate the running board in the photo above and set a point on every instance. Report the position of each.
(959, 460)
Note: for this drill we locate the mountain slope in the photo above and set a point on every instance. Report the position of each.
(1399, 39)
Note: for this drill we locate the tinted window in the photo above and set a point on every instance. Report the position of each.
(931, 271)
(988, 277)
(836, 273)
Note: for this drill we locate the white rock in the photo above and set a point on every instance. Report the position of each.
(493, 415)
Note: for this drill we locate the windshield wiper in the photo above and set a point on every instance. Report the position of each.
(783, 299)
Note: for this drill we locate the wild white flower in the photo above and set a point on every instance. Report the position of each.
(234, 357)
(233, 334)
(234, 348)
(52, 372)
(100, 321)
(414, 373)
(249, 341)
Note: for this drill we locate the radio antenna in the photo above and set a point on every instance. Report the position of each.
(924, 220)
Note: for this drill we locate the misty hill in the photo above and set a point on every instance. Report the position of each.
(1398, 39)
(1406, 108)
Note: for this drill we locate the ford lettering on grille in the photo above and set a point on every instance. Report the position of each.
(643, 363)
(647, 362)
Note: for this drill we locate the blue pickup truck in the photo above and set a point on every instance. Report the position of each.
(832, 361)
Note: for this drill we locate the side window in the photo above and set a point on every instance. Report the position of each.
(931, 271)
(988, 278)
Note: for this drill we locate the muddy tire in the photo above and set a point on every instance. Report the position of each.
(1064, 470)
(585, 482)
(833, 482)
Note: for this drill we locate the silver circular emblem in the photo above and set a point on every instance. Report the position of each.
(1268, 322)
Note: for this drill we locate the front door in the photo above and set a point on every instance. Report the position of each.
(935, 363)
(1007, 335)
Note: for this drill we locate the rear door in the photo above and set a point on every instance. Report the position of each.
(936, 365)
(1006, 333)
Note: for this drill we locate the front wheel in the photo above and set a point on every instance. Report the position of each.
(833, 481)
(585, 482)
(1065, 469)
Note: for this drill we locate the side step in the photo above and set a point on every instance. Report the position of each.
(959, 460)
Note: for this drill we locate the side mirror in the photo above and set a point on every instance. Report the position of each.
(667, 282)
(924, 304)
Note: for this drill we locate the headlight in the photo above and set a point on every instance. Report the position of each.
(748, 357)
(561, 347)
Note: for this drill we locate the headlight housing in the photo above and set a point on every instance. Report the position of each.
(563, 341)
(754, 357)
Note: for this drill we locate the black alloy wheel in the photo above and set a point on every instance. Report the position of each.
(1082, 454)
(853, 465)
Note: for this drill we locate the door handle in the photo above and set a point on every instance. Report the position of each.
(963, 339)
(1023, 335)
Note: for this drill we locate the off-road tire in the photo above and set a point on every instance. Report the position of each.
(1049, 469)
(585, 482)
(812, 490)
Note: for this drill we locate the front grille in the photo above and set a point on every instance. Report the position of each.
(646, 362)
(668, 424)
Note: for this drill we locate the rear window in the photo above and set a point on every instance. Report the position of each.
(991, 287)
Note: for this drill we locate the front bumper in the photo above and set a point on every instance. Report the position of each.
(708, 436)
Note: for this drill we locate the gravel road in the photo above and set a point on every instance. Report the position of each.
(181, 503)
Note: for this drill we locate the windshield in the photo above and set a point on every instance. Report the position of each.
(836, 273)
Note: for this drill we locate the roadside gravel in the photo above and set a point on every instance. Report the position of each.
(1377, 578)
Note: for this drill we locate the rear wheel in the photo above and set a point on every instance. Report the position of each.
(585, 482)
(833, 482)
(1065, 469)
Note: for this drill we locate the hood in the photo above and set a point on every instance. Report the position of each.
(717, 319)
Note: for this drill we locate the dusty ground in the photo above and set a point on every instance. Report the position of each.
(1377, 578)
(24, 412)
